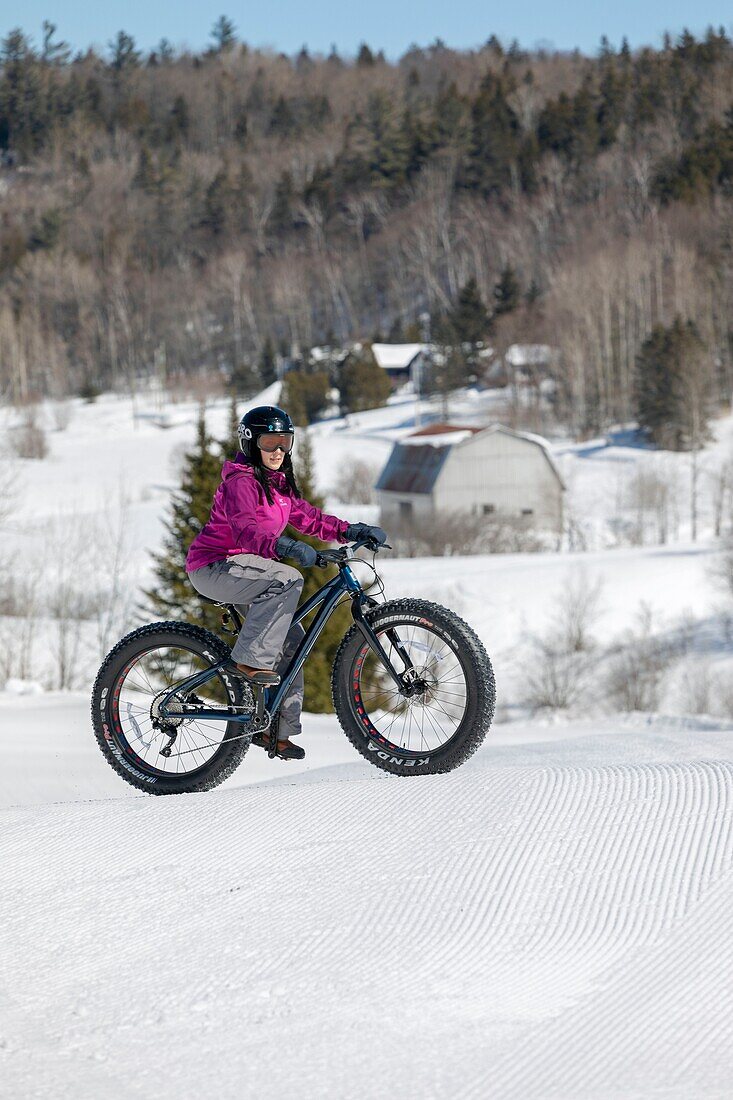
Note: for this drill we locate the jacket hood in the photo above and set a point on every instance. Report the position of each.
(241, 465)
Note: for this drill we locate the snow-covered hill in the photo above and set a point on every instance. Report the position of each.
(108, 479)
(551, 920)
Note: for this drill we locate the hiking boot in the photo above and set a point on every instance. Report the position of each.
(286, 750)
(263, 677)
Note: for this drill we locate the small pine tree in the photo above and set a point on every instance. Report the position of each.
(469, 320)
(363, 384)
(507, 292)
(125, 55)
(230, 445)
(224, 34)
(173, 595)
(268, 371)
(318, 667)
(305, 395)
(674, 386)
(365, 57)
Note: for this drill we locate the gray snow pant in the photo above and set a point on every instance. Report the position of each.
(265, 592)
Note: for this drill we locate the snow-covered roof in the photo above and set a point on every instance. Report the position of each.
(327, 354)
(529, 355)
(396, 356)
(439, 435)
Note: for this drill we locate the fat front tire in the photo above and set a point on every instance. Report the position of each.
(441, 726)
(157, 655)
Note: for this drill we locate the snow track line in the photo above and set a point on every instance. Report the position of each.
(538, 933)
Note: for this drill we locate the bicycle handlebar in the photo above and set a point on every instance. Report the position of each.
(341, 554)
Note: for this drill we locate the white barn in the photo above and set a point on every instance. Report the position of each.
(492, 471)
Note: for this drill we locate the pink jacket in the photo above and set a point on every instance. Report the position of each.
(242, 520)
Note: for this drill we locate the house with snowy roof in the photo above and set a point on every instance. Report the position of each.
(494, 471)
(402, 362)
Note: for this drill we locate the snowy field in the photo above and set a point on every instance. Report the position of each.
(552, 920)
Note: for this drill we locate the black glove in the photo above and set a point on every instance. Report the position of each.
(355, 532)
(302, 552)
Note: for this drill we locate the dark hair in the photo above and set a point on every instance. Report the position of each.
(261, 472)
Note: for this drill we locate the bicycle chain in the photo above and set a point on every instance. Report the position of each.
(253, 728)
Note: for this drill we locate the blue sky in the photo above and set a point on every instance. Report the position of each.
(391, 25)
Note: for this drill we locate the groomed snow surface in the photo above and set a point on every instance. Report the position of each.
(552, 920)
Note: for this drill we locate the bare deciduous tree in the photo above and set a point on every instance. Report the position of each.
(638, 666)
(355, 482)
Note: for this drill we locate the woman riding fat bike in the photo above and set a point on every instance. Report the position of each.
(175, 708)
(237, 557)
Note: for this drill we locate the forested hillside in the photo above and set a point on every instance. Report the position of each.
(189, 213)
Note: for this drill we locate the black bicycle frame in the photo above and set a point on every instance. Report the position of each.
(327, 598)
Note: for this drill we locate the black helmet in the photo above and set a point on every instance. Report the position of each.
(261, 421)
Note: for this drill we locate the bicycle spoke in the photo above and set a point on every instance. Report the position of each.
(428, 719)
(151, 675)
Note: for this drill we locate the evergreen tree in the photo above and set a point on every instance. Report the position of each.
(124, 53)
(674, 386)
(54, 53)
(146, 176)
(23, 118)
(705, 165)
(469, 319)
(218, 204)
(305, 395)
(450, 123)
(45, 235)
(390, 153)
(283, 122)
(230, 444)
(613, 94)
(363, 384)
(365, 57)
(318, 666)
(165, 51)
(281, 218)
(180, 118)
(416, 142)
(495, 141)
(507, 292)
(268, 363)
(173, 595)
(224, 34)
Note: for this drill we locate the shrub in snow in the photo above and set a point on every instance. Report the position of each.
(62, 413)
(696, 687)
(13, 686)
(721, 569)
(355, 483)
(8, 488)
(89, 391)
(638, 666)
(450, 533)
(28, 439)
(557, 679)
(653, 501)
(559, 672)
(723, 694)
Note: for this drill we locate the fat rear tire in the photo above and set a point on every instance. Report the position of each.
(107, 728)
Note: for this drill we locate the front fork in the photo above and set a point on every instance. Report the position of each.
(405, 679)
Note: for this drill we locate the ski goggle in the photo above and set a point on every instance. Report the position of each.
(274, 441)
